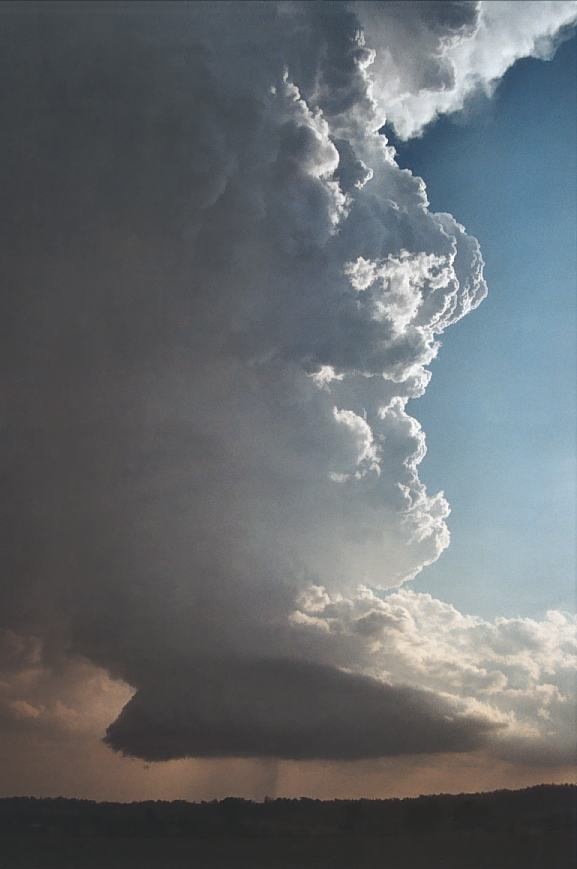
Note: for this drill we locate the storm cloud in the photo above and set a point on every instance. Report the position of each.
(439, 56)
(219, 293)
(287, 709)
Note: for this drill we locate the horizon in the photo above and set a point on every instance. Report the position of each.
(303, 797)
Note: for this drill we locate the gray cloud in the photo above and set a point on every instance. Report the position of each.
(517, 672)
(286, 709)
(220, 292)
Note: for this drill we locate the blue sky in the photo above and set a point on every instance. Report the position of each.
(500, 412)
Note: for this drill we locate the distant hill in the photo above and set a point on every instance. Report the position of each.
(544, 807)
(527, 828)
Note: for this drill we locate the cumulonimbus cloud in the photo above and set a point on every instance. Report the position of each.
(288, 709)
(518, 673)
(437, 56)
(221, 293)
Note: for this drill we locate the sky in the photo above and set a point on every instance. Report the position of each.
(288, 500)
(508, 178)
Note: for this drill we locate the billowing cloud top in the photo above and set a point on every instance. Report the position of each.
(221, 291)
(437, 55)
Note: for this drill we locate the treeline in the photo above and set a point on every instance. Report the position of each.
(545, 808)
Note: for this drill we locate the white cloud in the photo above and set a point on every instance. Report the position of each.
(520, 672)
(431, 58)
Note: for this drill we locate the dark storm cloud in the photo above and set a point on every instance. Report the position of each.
(286, 709)
(219, 292)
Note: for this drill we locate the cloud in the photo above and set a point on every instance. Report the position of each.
(221, 292)
(438, 55)
(286, 709)
(516, 671)
(51, 699)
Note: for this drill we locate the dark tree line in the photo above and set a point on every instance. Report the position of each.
(545, 808)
